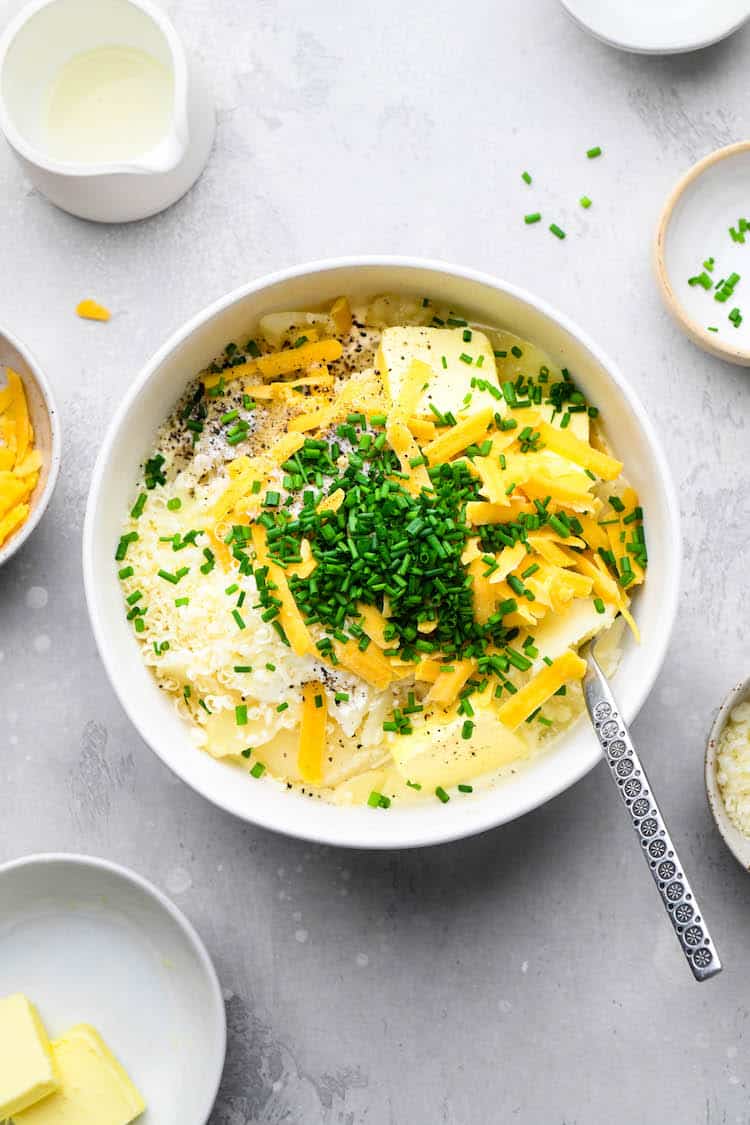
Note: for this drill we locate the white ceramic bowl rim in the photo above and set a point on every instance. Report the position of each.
(485, 815)
(713, 28)
(40, 859)
(41, 159)
(40, 504)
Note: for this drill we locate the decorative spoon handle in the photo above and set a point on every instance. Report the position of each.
(656, 843)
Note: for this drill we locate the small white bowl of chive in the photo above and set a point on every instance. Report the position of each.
(702, 253)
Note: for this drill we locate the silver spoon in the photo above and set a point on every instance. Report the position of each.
(656, 843)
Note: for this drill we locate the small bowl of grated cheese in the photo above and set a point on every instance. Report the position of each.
(728, 772)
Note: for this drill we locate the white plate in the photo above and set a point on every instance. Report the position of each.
(659, 27)
(694, 226)
(90, 942)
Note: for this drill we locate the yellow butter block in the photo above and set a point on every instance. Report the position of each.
(94, 1087)
(27, 1069)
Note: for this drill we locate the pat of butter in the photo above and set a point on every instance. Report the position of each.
(455, 362)
(94, 1087)
(27, 1071)
(436, 754)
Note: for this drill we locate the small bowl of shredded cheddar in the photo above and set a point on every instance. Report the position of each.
(29, 445)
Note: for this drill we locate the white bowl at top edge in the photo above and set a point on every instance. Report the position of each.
(666, 27)
(47, 438)
(738, 844)
(89, 941)
(129, 439)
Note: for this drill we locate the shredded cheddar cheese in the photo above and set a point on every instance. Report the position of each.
(91, 310)
(537, 691)
(312, 733)
(20, 463)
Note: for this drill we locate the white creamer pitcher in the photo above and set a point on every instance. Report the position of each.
(47, 40)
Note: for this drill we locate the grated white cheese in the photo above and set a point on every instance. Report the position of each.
(733, 766)
(205, 643)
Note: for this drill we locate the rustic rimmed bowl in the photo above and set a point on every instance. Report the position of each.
(693, 226)
(738, 844)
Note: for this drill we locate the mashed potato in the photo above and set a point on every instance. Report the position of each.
(733, 767)
(367, 547)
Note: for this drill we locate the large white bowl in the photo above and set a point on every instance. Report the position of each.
(130, 438)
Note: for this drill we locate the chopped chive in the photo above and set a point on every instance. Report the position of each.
(122, 546)
(126, 572)
(467, 729)
(592, 153)
(585, 202)
(174, 504)
(181, 601)
(238, 618)
(282, 707)
(341, 697)
(137, 509)
(534, 217)
(466, 788)
(378, 800)
(526, 177)
(598, 605)
(240, 715)
(441, 795)
(701, 279)
(247, 752)
(557, 231)
(258, 770)
(557, 525)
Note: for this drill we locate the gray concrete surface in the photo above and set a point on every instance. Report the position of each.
(527, 975)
